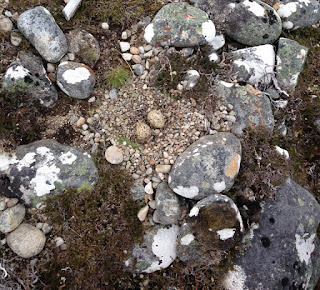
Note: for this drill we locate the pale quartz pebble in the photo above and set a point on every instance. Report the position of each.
(142, 214)
(148, 188)
(81, 121)
(105, 25)
(124, 46)
(58, 241)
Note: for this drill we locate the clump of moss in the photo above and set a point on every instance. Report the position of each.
(117, 77)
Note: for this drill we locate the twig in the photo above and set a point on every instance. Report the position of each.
(5, 273)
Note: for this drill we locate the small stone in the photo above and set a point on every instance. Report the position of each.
(15, 38)
(46, 228)
(58, 241)
(135, 176)
(114, 155)
(134, 50)
(11, 218)
(136, 59)
(163, 168)
(156, 119)
(63, 247)
(124, 35)
(71, 56)
(138, 69)
(105, 25)
(12, 202)
(149, 171)
(81, 121)
(50, 67)
(142, 132)
(113, 94)
(39, 226)
(142, 214)
(180, 87)
(92, 99)
(148, 188)
(152, 204)
(5, 25)
(127, 56)
(124, 46)
(147, 47)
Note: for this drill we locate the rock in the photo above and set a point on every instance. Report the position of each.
(58, 241)
(248, 22)
(40, 28)
(81, 121)
(298, 14)
(75, 79)
(284, 246)
(142, 132)
(142, 214)
(134, 50)
(46, 228)
(12, 202)
(105, 25)
(127, 56)
(113, 94)
(156, 119)
(47, 167)
(191, 79)
(124, 46)
(137, 191)
(210, 165)
(214, 223)
(136, 59)
(291, 58)
(84, 46)
(163, 168)
(15, 38)
(138, 69)
(11, 218)
(254, 65)
(252, 107)
(180, 25)
(114, 155)
(167, 205)
(26, 241)
(148, 188)
(28, 75)
(157, 251)
(5, 24)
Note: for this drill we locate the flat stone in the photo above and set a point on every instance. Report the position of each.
(11, 218)
(163, 168)
(136, 59)
(5, 24)
(15, 38)
(124, 46)
(114, 155)
(40, 28)
(127, 56)
(138, 69)
(26, 241)
(142, 214)
(77, 80)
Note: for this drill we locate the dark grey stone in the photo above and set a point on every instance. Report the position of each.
(48, 167)
(291, 57)
(284, 251)
(138, 69)
(40, 28)
(299, 14)
(210, 165)
(252, 107)
(27, 75)
(75, 79)
(167, 205)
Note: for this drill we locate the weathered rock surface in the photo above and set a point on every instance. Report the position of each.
(248, 22)
(157, 251)
(254, 65)
(84, 46)
(167, 205)
(75, 79)
(298, 13)
(208, 166)
(252, 107)
(26, 241)
(40, 28)
(180, 25)
(47, 167)
(27, 75)
(285, 245)
(291, 58)
(11, 218)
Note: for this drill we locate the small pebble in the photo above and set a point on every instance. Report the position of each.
(58, 241)
(46, 228)
(148, 188)
(136, 59)
(127, 56)
(124, 35)
(105, 25)
(134, 50)
(124, 46)
(114, 155)
(152, 204)
(92, 99)
(81, 121)
(5, 25)
(15, 38)
(142, 214)
(163, 168)
(12, 202)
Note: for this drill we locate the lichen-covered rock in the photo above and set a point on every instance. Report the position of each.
(26, 241)
(84, 46)
(156, 252)
(191, 79)
(298, 13)
(284, 246)
(210, 165)
(251, 22)
(40, 28)
(252, 107)
(11, 218)
(156, 119)
(27, 75)
(142, 132)
(180, 25)
(46, 167)
(167, 205)
(291, 57)
(214, 223)
(75, 79)
(254, 65)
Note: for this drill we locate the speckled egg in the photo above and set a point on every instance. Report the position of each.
(143, 132)
(156, 119)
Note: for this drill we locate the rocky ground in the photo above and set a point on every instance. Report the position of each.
(144, 103)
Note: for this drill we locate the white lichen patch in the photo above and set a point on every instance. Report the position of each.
(187, 239)
(294, 79)
(17, 72)
(87, 154)
(77, 75)
(285, 10)
(254, 7)
(193, 72)
(164, 247)
(219, 186)
(226, 233)
(302, 54)
(218, 42)
(187, 192)
(235, 279)
(67, 158)
(239, 218)
(194, 211)
(282, 152)
(6, 161)
(149, 33)
(232, 5)
(208, 31)
(305, 246)
(26, 161)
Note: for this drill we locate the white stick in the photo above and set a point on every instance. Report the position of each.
(70, 9)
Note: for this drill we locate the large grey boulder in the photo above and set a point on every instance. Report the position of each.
(284, 251)
(252, 107)
(27, 75)
(210, 165)
(180, 25)
(40, 28)
(250, 22)
(298, 14)
(75, 79)
(45, 168)
(291, 57)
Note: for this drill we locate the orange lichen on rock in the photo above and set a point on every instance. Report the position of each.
(233, 167)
